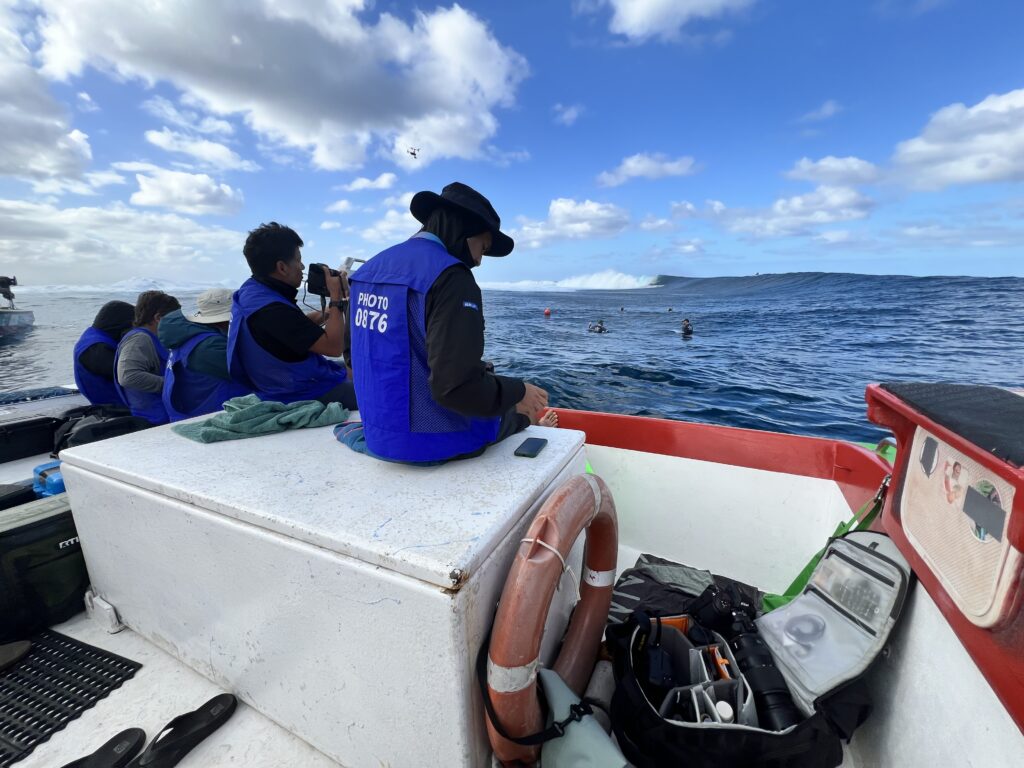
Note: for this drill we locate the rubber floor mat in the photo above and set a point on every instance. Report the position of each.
(56, 682)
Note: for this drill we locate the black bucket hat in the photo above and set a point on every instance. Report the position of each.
(462, 197)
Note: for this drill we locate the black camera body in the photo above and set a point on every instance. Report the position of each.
(316, 283)
(731, 614)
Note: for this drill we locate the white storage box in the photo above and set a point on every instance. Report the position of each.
(342, 596)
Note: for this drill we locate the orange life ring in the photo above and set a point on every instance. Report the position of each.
(581, 503)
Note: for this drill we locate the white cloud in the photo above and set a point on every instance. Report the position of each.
(384, 181)
(207, 152)
(161, 108)
(89, 184)
(97, 244)
(395, 227)
(85, 102)
(608, 280)
(646, 166)
(571, 220)
(834, 236)
(194, 193)
(651, 224)
(340, 206)
(966, 145)
(835, 171)
(683, 210)
(717, 207)
(37, 139)
(800, 214)
(399, 201)
(640, 20)
(828, 109)
(695, 245)
(330, 225)
(330, 84)
(567, 114)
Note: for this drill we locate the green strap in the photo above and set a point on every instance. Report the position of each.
(861, 521)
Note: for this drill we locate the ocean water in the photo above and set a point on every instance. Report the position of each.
(788, 353)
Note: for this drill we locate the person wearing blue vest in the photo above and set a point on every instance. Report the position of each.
(95, 350)
(197, 380)
(141, 359)
(417, 327)
(272, 344)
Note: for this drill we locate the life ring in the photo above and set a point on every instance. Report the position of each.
(581, 503)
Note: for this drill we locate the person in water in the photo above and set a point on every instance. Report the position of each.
(425, 394)
(687, 328)
(140, 359)
(5, 289)
(197, 380)
(272, 344)
(597, 327)
(95, 350)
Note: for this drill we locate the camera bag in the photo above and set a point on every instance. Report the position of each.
(839, 623)
(42, 571)
(823, 642)
(650, 740)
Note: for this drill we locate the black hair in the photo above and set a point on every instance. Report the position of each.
(268, 244)
(115, 318)
(153, 303)
(452, 227)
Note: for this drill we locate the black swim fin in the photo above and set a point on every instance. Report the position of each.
(115, 753)
(184, 732)
(12, 653)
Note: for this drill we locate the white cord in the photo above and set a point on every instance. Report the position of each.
(565, 566)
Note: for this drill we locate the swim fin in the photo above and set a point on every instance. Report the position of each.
(115, 753)
(12, 653)
(184, 732)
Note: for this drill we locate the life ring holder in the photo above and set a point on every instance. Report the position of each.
(582, 503)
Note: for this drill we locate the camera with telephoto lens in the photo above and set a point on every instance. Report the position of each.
(729, 613)
(316, 283)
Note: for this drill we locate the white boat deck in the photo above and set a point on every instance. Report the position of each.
(163, 689)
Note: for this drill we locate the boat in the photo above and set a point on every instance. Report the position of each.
(15, 323)
(343, 600)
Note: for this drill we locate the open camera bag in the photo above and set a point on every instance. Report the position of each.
(860, 575)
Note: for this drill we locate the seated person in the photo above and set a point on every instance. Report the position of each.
(141, 359)
(417, 324)
(272, 344)
(5, 289)
(95, 350)
(197, 381)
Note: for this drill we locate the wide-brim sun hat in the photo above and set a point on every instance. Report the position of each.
(212, 306)
(461, 197)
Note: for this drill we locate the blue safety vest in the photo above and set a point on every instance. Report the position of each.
(270, 377)
(188, 393)
(387, 317)
(146, 405)
(96, 389)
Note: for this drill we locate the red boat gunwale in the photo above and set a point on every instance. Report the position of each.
(857, 471)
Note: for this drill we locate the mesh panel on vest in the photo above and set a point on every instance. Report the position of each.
(425, 415)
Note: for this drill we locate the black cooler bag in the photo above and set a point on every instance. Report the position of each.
(42, 571)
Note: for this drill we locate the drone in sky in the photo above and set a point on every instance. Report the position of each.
(414, 151)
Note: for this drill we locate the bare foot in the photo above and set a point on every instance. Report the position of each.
(549, 419)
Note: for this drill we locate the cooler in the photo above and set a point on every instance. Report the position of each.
(342, 596)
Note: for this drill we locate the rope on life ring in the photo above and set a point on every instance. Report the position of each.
(581, 503)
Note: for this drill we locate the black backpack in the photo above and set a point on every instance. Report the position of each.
(91, 423)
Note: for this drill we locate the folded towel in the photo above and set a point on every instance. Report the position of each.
(250, 417)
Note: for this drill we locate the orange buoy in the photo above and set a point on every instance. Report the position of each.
(582, 503)
(547, 313)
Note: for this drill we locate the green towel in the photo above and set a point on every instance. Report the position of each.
(250, 417)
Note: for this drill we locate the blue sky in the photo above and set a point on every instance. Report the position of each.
(617, 138)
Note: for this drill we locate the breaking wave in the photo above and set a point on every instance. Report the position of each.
(608, 280)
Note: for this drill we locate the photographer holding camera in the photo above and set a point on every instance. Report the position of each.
(273, 344)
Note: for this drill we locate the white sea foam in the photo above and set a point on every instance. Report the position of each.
(134, 285)
(608, 280)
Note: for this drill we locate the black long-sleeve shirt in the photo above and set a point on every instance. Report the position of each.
(459, 379)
